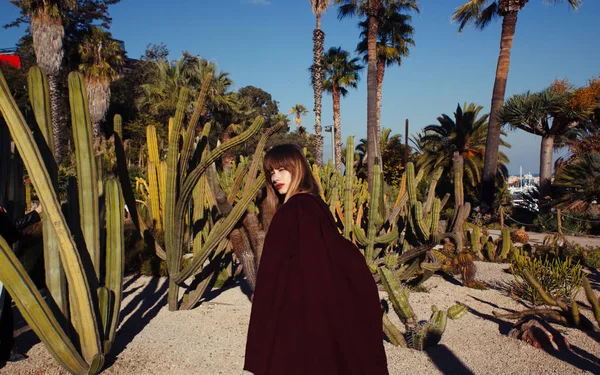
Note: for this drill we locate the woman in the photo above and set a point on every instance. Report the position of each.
(316, 308)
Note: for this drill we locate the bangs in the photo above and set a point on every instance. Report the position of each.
(279, 157)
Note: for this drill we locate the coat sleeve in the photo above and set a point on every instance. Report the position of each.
(269, 296)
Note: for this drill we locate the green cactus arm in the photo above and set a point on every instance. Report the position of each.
(392, 332)
(154, 191)
(85, 322)
(118, 125)
(431, 193)
(592, 299)
(435, 215)
(411, 184)
(193, 177)
(221, 231)
(174, 250)
(238, 180)
(373, 215)
(37, 313)
(39, 96)
(348, 198)
(208, 274)
(361, 237)
(188, 139)
(419, 223)
(152, 142)
(397, 295)
(506, 243)
(385, 239)
(115, 256)
(531, 280)
(456, 311)
(172, 179)
(87, 174)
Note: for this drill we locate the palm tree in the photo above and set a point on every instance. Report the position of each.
(394, 36)
(46, 17)
(100, 58)
(465, 134)
(299, 110)
(341, 72)
(548, 114)
(371, 9)
(481, 13)
(580, 182)
(318, 7)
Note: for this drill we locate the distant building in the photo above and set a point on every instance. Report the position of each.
(9, 56)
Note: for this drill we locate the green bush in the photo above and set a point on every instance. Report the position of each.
(561, 279)
(593, 259)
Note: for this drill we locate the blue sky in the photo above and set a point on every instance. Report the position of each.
(268, 44)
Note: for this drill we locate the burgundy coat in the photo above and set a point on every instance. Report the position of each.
(316, 308)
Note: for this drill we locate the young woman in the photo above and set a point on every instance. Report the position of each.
(316, 308)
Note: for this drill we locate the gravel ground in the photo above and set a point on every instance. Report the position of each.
(211, 338)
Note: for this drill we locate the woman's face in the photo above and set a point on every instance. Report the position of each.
(281, 179)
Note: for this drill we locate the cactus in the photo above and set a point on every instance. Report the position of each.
(93, 335)
(118, 125)
(506, 243)
(561, 311)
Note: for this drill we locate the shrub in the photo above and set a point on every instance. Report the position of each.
(592, 260)
(561, 279)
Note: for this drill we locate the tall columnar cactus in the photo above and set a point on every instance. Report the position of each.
(180, 183)
(118, 125)
(506, 243)
(92, 334)
(39, 96)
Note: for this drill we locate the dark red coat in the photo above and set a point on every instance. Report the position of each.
(315, 309)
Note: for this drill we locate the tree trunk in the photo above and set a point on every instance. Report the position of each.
(298, 121)
(337, 128)
(318, 40)
(546, 149)
(380, 74)
(490, 167)
(372, 138)
(98, 94)
(57, 124)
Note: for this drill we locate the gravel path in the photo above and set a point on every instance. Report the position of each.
(210, 339)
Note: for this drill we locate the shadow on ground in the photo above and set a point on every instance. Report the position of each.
(446, 361)
(572, 355)
(137, 313)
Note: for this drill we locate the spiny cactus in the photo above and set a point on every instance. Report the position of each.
(93, 335)
(561, 311)
(506, 243)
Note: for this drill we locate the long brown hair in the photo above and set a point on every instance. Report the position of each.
(291, 158)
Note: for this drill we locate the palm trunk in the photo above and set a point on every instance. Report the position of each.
(380, 74)
(337, 128)
(98, 94)
(57, 123)
(47, 33)
(372, 139)
(298, 121)
(546, 149)
(490, 167)
(318, 40)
